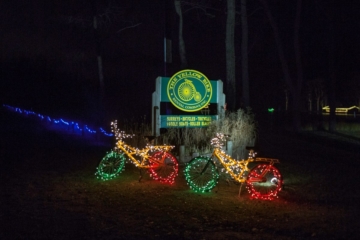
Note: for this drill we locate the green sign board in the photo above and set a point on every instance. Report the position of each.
(188, 99)
(189, 121)
(189, 90)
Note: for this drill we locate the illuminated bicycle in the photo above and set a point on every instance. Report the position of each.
(263, 181)
(162, 165)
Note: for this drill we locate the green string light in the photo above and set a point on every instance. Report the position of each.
(111, 165)
(201, 174)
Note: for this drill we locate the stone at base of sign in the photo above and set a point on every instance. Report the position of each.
(229, 148)
(182, 154)
(195, 154)
(183, 158)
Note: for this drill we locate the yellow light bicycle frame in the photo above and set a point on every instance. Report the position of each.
(145, 157)
(241, 165)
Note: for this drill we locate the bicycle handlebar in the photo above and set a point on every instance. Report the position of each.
(119, 134)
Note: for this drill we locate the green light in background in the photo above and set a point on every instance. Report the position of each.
(271, 109)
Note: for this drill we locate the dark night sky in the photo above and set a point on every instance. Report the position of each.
(48, 61)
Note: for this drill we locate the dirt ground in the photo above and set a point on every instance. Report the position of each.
(49, 191)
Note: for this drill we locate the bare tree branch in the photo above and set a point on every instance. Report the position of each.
(195, 5)
(132, 26)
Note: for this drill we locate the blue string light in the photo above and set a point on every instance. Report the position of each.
(72, 124)
(105, 133)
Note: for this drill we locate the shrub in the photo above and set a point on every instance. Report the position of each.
(137, 127)
(240, 125)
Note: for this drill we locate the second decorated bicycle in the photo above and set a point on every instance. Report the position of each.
(263, 181)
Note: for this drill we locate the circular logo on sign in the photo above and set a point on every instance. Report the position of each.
(189, 90)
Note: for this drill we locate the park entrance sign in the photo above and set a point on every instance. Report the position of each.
(189, 90)
(187, 99)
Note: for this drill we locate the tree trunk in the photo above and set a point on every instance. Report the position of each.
(280, 48)
(100, 113)
(299, 82)
(295, 89)
(230, 55)
(332, 74)
(182, 50)
(244, 55)
(286, 100)
(332, 77)
(168, 16)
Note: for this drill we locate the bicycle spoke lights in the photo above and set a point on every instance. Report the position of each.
(199, 180)
(268, 189)
(161, 173)
(110, 166)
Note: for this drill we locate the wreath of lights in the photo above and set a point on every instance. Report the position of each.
(163, 167)
(111, 166)
(201, 174)
(269, 188)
